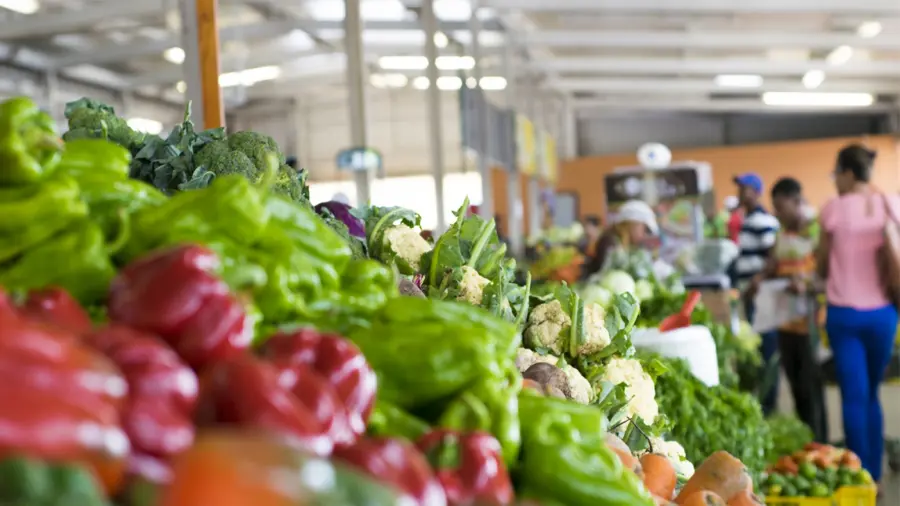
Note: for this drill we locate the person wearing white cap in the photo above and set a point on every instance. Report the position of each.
(628, 229)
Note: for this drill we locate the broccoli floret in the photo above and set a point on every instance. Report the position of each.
(218, 158)
(291, 185)
(256, 146)
(92, 119)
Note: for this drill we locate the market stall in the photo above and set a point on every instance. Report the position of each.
(191, 330)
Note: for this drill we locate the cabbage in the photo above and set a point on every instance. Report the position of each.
(617, 282)
(596, 294)
(343, 213)
(643, 290)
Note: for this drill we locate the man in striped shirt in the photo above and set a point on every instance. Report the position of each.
(756, 240)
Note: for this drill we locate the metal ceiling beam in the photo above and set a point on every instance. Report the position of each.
(706, 6)
(264, 30)
(597, 107)
(43, 25)
(632, 86)
(665, 66)
(706, 40)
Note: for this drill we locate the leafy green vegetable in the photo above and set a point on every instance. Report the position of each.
(707, 419)
(789, 434)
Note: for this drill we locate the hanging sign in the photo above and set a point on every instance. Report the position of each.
(526, 152)
(359, 160)
(551, 160)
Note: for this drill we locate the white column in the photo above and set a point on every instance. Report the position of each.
(191, 65)
(435, 118)
(486, 210)
(356, 88)
(514, 211)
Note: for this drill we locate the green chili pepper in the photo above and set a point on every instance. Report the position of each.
(31, 214)
(25, 481)
(308, 231)
(565, 459)
(77, 260)
(29, 145)
(89, 159)
(426, 350)
(492, 405)
(388, 420)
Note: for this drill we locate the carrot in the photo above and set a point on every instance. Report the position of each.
(624, 452)
(659, 475)
(745, 498)
(704, 498)
(720, 473)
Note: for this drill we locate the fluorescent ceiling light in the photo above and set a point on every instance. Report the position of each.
(173, 54)
(455, 62)
(421, 62)
(813, 79)
(471, 82)
(492, 83)
(150, 126)
(403, 62)
(249, 77)
(446, 83)
(388, 80)
(739, 81)
(441, 40)
(840, 55)
(869, 29)
(803, 99)
(21, 6)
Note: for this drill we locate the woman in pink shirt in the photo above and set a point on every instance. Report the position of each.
(862, 322)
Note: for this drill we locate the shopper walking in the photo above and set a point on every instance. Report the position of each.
(793, 259)
(755, 241)
(862, 319)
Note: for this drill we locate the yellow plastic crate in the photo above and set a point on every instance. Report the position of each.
(845, 496)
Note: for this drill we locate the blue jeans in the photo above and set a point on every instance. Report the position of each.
(862, 342)
(767, 348)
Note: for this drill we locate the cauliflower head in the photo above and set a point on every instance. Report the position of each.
(596, 294)
(580, 389)
(407, 243)
(526, 358)
(595, 332)
(639, 388)
(547, 325)
(471, 286)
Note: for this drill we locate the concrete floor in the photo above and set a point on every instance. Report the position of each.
(890, 401)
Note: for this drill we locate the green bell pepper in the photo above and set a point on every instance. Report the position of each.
(32, 214)
(425, 350)
(492, 405)
(29, 144)
(77, 259)
(91, 159)
(565, 458)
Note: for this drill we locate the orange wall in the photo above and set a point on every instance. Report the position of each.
(811, 162)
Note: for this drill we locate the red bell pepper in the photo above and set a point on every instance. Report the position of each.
(248, 392)
(336, 359)
(55, 306)
(163, 394)
(395, 463)
(37, 356)
(174, 294)
(469, 466)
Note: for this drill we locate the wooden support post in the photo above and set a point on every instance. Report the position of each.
(208, 46)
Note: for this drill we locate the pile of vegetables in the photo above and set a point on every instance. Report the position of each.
(815, 471)
(214, 337)
(789, 435)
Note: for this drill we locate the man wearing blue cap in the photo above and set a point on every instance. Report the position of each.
(756, 239)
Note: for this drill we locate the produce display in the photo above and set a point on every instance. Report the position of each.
(815, 471)
(190, 333)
